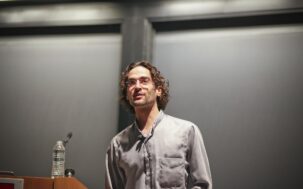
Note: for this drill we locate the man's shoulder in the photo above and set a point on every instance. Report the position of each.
(178, 127)
(175, 121)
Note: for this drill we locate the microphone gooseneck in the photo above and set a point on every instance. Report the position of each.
(68, 137)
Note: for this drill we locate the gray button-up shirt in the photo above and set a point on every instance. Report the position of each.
(171, 156)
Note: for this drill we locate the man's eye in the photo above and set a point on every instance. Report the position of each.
(144, 81)
(132, 82)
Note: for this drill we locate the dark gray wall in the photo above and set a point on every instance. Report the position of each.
(51, 86)
(243, 88)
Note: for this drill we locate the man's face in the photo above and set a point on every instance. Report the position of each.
(141, 91)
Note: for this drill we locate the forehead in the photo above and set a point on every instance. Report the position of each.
(138, 72)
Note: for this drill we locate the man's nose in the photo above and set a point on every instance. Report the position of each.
(138, 84)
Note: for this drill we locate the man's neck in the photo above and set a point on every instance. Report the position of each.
(146, 117)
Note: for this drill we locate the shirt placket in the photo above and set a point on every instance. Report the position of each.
(148, 163)
(149, 154)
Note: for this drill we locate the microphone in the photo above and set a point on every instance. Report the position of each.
(68, 136)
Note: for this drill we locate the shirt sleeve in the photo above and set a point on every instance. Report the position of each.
(199, 171)
(114, 178)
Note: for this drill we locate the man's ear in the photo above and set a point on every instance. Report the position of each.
(159, 92)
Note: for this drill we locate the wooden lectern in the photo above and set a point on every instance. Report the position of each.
(48, 183)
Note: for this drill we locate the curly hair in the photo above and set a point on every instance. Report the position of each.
(159, 81)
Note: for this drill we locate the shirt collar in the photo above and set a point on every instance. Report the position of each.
(155, 124)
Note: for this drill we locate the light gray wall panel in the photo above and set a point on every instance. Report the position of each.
(51, 85)
(243, 88)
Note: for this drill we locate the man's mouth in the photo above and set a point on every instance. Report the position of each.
(138, 96)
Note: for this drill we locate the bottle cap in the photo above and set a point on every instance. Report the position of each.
(59, 142)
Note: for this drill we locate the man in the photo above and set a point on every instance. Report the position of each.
(157, 150)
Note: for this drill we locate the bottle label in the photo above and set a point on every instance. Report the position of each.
(58, 163)
(58, 156)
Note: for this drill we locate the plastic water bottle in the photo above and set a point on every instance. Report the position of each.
(58, 166)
